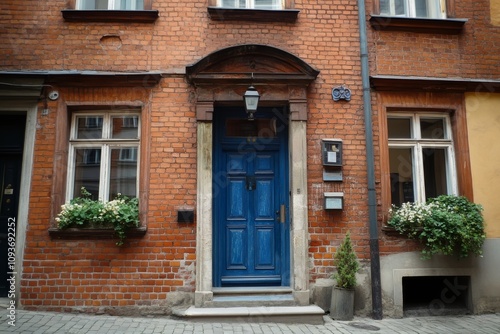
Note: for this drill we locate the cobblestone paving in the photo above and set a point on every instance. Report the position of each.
(65, 323)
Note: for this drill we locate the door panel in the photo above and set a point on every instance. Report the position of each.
(250, 178)
(11, 147)
(237, 242)
(252, 237)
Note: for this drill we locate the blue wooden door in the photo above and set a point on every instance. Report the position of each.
(250, 197)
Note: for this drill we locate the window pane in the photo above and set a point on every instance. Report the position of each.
(392, 7)
(89, 127)
(268, 4)
(125, 127)
(421, 8)
(130, 4)
(384, 7)
(87, 171)
(233, 3)
(93, 4)
(401, 168)
(435, 172)
(399, 128)
(123, 172)
(432, 128)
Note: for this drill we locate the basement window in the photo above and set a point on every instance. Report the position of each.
(436, 295)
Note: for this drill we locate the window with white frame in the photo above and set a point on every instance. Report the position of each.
(103, 154)
(110, 4)
(421, 156)
(414, 8)
(251, 4)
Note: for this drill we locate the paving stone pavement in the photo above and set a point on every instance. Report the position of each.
(68, 323)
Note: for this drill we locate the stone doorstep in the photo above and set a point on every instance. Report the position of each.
(311, 314)
(252, 290)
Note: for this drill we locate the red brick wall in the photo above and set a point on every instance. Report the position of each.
(473, 53)
(94, 275)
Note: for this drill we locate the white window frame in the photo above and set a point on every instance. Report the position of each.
(250, 4)
(437, 12)
(106, 144)
(417, 144)
(113, 5)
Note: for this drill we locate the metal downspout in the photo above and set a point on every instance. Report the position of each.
(370, 162)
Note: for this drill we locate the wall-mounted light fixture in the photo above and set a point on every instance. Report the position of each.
(251, 99)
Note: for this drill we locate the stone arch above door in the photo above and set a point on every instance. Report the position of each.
(224, 75)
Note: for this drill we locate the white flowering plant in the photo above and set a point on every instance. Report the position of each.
(446, 224)
(120, 214)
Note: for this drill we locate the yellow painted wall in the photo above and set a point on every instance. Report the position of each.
(495, 12)
(483, 122)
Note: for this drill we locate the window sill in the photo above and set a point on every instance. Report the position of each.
(131, 16)
(93, 233)
(419, 25)
(256, 15)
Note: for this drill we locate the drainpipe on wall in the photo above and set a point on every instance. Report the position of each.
(370, 162)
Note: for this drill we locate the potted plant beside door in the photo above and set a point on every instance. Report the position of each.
(342, 305)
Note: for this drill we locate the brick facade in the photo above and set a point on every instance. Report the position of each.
(154, 273)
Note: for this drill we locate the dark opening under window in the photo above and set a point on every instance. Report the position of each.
(436, 295)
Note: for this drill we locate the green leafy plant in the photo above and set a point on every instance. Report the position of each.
(120, 214)
(347, 264)
(446, 224)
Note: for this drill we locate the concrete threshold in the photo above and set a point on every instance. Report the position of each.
(310, 314)
(251, 290)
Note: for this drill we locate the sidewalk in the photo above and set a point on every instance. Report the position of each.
(68, 323)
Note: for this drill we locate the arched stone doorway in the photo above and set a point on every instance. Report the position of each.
(220, 79)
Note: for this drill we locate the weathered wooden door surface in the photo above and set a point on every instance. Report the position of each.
(250, 200)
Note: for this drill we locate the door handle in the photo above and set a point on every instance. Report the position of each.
(282, 213)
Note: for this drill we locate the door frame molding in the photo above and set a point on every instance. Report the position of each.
(297, 146)
(282, 79)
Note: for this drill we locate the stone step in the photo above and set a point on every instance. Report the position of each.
(252, 300)
(251, 296)
(275, 290)
(311, 314)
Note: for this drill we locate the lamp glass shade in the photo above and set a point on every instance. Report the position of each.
(251, 98)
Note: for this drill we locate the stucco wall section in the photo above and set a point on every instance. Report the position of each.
(483, 122)
(495, 12)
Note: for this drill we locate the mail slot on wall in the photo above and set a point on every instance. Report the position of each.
(332, 152)
(334, 201)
